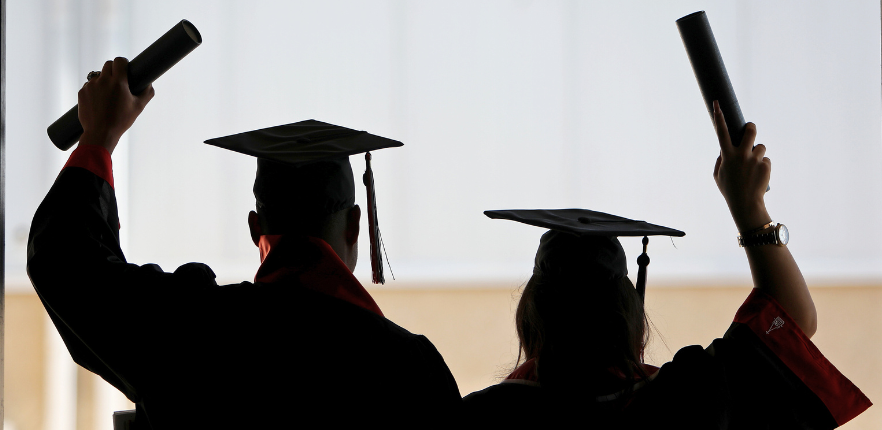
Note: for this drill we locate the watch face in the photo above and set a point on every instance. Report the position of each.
(783, 234)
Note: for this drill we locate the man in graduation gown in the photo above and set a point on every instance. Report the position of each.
(305, 344)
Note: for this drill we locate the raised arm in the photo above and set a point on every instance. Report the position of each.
(106, 310)
(742, 175)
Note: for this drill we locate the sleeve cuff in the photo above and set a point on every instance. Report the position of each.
(771, 324)
(93, 158)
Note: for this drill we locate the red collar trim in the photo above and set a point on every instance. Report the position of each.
(312, 263)
(526, 371)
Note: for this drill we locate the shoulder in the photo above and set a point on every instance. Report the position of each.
(522, 405)
(508, 404)
(692, 371)
(313, 314)
(503, 394)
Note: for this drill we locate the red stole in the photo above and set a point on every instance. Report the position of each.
(312, 263)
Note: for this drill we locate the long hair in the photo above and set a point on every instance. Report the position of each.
(578, 331)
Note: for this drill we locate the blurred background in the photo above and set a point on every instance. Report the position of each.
(501, 104)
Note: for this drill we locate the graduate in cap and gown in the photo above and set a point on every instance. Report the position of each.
(302, 345)
(582, 330)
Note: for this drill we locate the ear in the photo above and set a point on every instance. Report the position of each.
(254, 226)
(353, 218)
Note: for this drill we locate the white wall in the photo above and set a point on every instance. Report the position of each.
(500, 104)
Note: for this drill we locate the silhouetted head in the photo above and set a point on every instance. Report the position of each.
(580, 318)
(305, 186)
(312, 199)
(579, 315)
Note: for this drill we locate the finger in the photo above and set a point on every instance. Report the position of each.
(759, 151)
(121, 69)
(107, 69)
(748, 139)
(767, 171)
(722, 130)
(146, 96)
(717, 166)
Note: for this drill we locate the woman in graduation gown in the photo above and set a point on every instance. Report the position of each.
(582, 331)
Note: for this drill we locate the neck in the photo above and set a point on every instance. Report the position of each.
(268, 241)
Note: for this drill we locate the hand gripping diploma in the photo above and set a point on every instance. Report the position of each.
(742, 174)
(107, 108)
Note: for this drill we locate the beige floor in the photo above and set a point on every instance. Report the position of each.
(473, 329)
(24, 383)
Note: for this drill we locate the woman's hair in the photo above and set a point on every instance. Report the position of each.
(579, 330)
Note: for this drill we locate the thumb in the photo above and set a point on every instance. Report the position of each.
(145, 96)
(717, 166)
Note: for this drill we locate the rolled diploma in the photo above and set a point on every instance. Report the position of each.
(149, 65)
(710, 72)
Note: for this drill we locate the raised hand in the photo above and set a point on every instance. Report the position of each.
(742, 174)
(106, 106)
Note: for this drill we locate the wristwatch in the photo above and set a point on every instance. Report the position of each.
(778, 236)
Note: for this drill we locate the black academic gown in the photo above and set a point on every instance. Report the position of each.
(764, 373)
(192, 354)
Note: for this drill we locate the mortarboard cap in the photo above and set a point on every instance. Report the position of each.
(584, 243)
(303, 171)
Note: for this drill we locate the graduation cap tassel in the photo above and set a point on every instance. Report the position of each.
(373, 228)
(383, 245)
(642, 261)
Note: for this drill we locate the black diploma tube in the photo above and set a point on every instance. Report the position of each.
(710, 72)
(149, 65)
